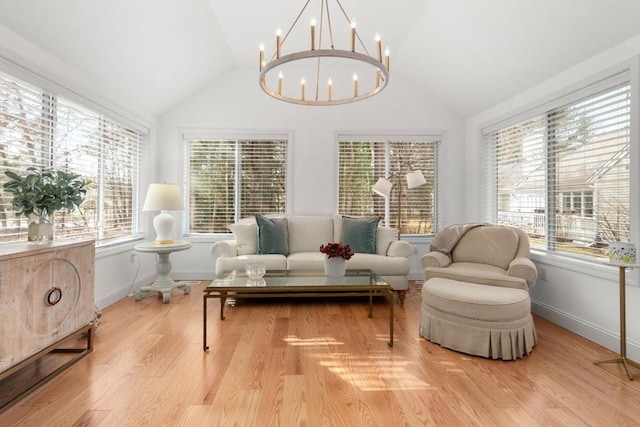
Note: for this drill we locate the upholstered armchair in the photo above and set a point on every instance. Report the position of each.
(480, 253)
(475, 298)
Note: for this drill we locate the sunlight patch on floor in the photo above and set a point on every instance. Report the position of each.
(373, 373)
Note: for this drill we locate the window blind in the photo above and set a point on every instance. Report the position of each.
(40, 128)
(563, 175)
(362, 162)
(230, 179)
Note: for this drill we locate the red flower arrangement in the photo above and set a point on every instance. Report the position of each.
(335, 250)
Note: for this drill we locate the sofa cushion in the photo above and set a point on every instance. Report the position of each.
(383, 265)
(360, 234)
(493, 245)
(474, 301)
(307, 233)
(313, 261)
(272, 235)
(385, 236)
(484, 274)
(246, 237)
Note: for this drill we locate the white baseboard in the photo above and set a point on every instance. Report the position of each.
(585, 329)
(125, 290)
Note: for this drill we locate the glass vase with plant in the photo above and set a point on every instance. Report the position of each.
(40, 193)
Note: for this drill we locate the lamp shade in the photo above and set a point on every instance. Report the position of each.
(163, 197)
(415, 179)
(383, 187)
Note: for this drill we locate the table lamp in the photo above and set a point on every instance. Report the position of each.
(163, 198)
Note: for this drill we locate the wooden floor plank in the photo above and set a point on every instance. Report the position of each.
(315, 363)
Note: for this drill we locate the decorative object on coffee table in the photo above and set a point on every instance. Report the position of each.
(256, 270)
(40, 193)
(335, 264)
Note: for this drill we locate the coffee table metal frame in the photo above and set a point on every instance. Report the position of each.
(292, 284)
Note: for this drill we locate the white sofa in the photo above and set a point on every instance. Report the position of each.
(305, 234)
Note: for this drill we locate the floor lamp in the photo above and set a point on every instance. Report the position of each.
(384, 186)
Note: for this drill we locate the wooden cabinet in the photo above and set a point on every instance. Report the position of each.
(46, 296)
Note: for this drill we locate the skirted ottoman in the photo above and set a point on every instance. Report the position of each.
(482, 320)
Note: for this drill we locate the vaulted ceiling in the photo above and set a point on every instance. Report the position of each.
(468, 54)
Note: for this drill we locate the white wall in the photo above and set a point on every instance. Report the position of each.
(237, 102)
(579, 296)
(114, 270)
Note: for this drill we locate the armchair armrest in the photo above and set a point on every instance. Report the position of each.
(523, 268)
(224, 248)
(400, 248)
(435, 259)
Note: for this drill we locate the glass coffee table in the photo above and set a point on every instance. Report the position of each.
(287, 284)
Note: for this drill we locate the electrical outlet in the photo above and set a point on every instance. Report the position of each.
(133, 257)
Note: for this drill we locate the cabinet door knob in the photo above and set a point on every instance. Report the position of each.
(54, 296)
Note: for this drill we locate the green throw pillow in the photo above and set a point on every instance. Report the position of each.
(360, 234)
(272, 235)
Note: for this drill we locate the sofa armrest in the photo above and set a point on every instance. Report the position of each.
(400, 248)
(435, 259)
(523, 268)
(224, 248)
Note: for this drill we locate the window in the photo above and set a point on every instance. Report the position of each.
(362, 160)
(41, 128)
(233, 178)
(563, 174)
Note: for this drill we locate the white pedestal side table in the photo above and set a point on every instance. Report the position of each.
(163, 283)
(622, 358)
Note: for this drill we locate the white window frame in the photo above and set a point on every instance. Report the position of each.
(117, 116)
(621, 73)
(397, 136)
(188, 134)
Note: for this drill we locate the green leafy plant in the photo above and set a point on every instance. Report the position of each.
(43, 191)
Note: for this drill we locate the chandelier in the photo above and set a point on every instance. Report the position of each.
(323, 74)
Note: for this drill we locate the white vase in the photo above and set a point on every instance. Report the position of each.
(335, 267)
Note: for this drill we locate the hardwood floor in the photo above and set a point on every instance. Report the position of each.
(313, 363)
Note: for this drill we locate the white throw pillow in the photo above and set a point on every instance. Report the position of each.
(246, 236)
(307, 233)
(385, 236)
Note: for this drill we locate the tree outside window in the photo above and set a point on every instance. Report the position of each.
(363, 160)
(563, 176)
(230, 179)
(38, 128)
